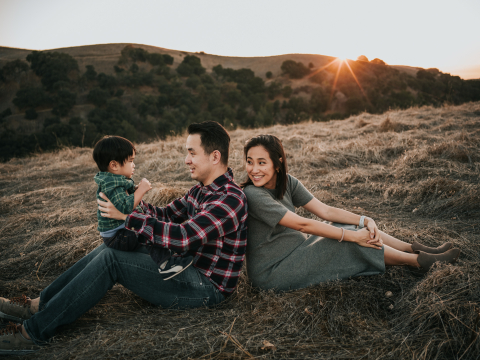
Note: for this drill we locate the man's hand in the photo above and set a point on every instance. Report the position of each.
(108, 210)
(144, 186)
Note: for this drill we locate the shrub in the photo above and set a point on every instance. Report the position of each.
(287, 91)
(269, 75)
(167, 59)
(106, 81)
(295, 70)
(378, 61)
(426, 75)
(310, 65)
(193, 82)
(90, 74)
(218, 70)
(362, 58)
(63, 102)
(31, 114)
(98, 97)
(156, 59)
(12, 69)
(31, 97)
(5, 113)
(52, 67)
(190, 65)
(134, 68)
(135, 54)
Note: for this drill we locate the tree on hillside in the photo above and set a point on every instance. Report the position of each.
(295, 70)
(378, 61)
(268, 75)
(13, 69)
(63, 102)
(362, 58)
(90, 74)
(31, 97)
(191, 65)
(52, 67)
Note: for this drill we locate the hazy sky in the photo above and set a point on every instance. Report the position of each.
(438, 33)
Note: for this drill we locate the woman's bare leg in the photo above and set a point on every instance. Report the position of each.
(393, 256)
(395, 243)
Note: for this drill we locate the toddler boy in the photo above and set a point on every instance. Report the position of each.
(115, 157)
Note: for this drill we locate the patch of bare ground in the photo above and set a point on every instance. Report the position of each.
(415, 171)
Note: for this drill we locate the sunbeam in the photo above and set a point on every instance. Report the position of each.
(358, 82)
(322, 68)
(335, 81)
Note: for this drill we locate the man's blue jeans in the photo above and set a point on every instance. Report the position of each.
(83, 285)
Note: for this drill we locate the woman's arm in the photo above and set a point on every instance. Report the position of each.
(313, 227)
(337, 215)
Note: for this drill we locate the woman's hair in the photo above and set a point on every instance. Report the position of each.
(275, 150)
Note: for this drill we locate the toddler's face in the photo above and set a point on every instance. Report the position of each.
(128, 168)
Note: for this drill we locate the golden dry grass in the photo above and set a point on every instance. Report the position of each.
(415, 171)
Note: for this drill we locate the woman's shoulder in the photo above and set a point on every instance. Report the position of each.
(252, 190)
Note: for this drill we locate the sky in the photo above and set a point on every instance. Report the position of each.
(430, 34)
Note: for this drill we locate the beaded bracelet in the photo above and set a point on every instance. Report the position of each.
(343, 234)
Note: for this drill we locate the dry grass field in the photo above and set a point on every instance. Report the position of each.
(416, 172)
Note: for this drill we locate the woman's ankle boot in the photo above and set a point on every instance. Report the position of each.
(427, 260)
(416, 246)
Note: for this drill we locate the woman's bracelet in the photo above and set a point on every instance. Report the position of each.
(362, 221)
(343, 234)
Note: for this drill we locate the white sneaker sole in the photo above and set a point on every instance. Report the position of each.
(176, 273)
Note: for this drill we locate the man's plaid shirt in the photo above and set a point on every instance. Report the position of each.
(114, 187)
(209, 222)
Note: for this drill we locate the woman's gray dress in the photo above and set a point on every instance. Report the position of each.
(285, 259)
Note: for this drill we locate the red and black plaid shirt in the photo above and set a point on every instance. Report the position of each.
(209, 222)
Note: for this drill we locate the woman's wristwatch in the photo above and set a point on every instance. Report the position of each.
(362, 221)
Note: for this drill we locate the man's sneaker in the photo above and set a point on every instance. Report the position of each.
(174, 266)
(15, 309)
(12, 341)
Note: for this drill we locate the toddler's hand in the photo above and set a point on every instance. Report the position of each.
(144, 186)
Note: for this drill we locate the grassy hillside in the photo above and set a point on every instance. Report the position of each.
(74, 96)
(414, 171)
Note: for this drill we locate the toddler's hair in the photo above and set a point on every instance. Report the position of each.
(110, 148)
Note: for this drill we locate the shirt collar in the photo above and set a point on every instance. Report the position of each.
(220, 181)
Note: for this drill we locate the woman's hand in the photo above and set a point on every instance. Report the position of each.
(374, 232)
(362, 238)
(108, 210)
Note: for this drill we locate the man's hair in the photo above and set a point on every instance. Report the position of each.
(213, 137)
(111, 148)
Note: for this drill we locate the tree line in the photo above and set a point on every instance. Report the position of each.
(145, 97)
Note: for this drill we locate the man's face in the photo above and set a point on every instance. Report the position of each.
(199, 163)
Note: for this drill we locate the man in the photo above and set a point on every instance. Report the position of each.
(208, 224)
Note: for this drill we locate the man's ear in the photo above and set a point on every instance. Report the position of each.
(216, 156)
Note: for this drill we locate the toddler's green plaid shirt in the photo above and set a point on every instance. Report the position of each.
(114, 187)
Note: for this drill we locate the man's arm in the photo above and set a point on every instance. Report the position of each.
(175, 212)
(221, 215)
(120, 199)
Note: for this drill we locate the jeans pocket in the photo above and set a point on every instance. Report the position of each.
(189, 303)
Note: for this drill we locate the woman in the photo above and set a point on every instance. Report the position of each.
(281, 257)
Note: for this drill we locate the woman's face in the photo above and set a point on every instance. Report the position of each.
(260, 168)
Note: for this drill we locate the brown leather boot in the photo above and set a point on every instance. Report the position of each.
(416, 246)
(427, 260)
